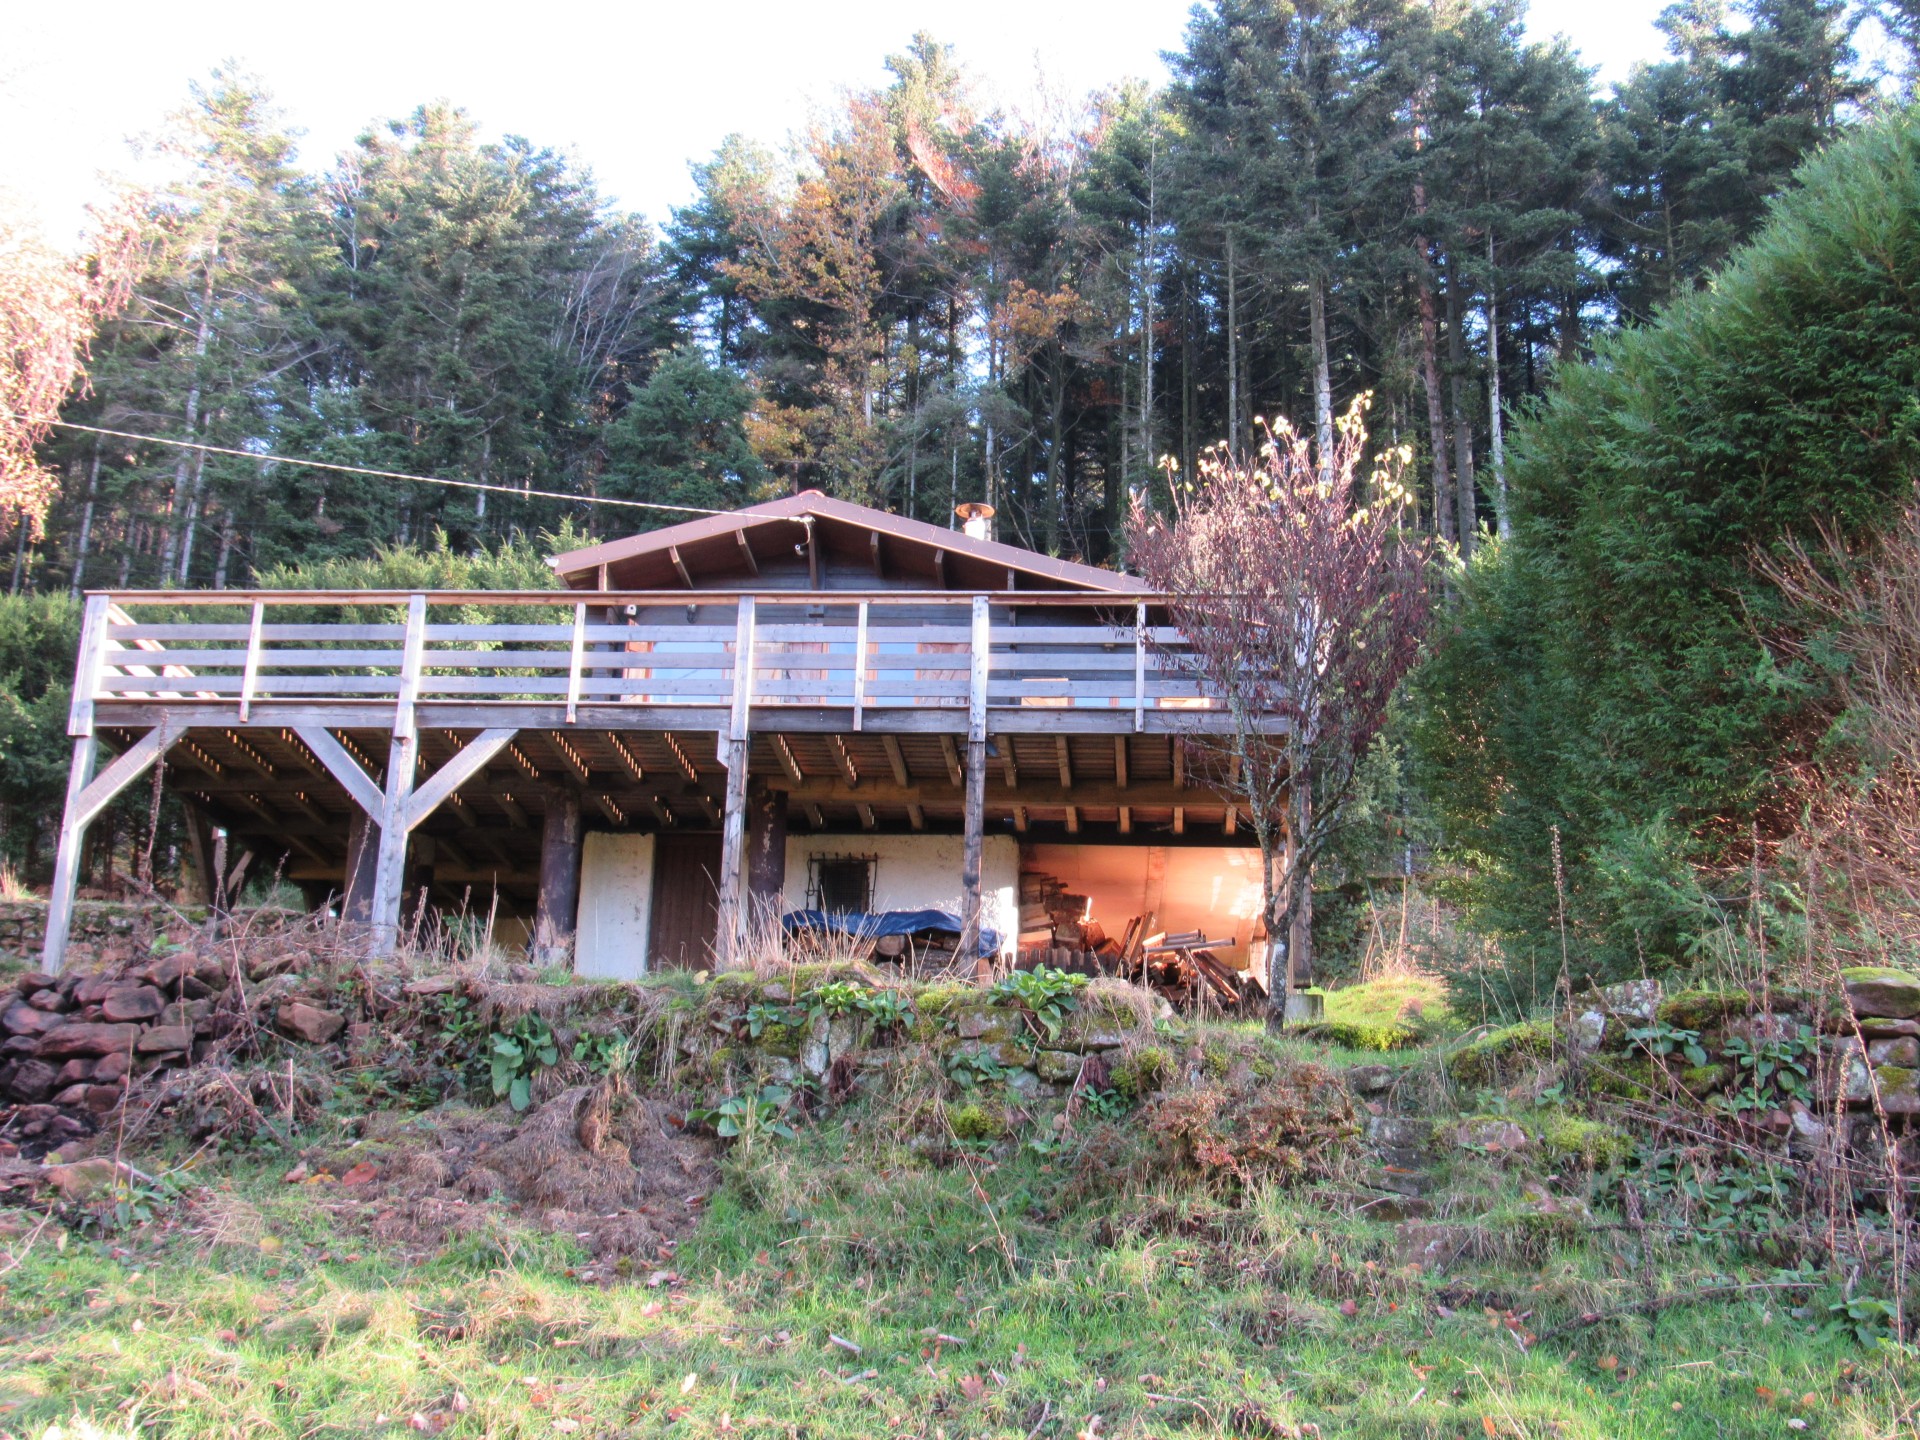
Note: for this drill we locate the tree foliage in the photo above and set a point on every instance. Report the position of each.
(1605, 673)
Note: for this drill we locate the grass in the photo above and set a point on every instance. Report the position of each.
(980, 1305)
(1391, 1000)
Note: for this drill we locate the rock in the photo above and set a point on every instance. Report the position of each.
(1899, 1089)
(1904, 1052)
(1490, 1132)
(1589, 1030)
(1875, 1028)
(1030, 1086)
(1634, 1002)
(433, 985)
(828, 1038)
(1060, 1067)
(983, 1022)
(22, 1018)
(185, 1012)
(1882, 991)
(17, 1047)
(309, 1023)
(84, 1179)
(32, 1081)
(51, 1001)
(79, 1038)
(75, 1072)
(102, 1098)
(1856, 1081)
(1093, 1032)
(132, 1002)
(1400, 1131)
(92, 989)
(1766, 1026)
(1371, 1079)
(109, 1068)
(35, 980)
(74, 1097)
(166, 1040)
(183, 975)
(1810, 1133)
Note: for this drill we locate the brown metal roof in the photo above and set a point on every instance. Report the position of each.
(883, 547)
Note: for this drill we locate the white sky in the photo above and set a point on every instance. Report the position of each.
(636, 90)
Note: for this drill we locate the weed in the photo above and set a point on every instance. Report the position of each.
(516, 1053)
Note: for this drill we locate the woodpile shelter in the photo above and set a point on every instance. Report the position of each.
(807, 705)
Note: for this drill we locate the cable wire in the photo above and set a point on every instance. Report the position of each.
(388, 474)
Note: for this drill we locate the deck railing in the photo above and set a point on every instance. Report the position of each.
(860, 652)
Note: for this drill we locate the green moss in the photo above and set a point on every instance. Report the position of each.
(1702, 1009)
(1406, 1002)
(1875, 972)
(1139, 1073)
(1592, 1143)
(975, 1121)
(1360, 1035)
(1486, 1060)
(1216, 1060)
(1700, 1081)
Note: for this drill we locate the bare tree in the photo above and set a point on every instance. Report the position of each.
(1298, 587)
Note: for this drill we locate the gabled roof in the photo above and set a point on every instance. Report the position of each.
(831, 536)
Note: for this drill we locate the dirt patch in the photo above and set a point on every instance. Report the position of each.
(605, 1168)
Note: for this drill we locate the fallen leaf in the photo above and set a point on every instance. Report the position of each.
(972, 1386)
(1763, 1392)
(429, 1422)
(566, 1425)
(1796, 1423)
(686, 1385)
(1486, 1424)
(360, 1174)
(1608, 1362)
(1349, 1309)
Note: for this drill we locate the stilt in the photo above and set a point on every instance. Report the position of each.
(363, 854)
(729, 942)
(558, 909)
(766, 857)
(87, 796)
(974, 810)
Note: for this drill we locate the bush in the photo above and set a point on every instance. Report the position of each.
(1603, 673)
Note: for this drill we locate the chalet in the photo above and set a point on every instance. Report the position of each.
(803, 706)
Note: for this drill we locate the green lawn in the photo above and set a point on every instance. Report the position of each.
(984, 1300)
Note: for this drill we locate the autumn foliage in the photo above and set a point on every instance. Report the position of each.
(1299, 589)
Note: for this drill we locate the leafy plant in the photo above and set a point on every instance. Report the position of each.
(763, 1014)
(836, 997)
(516, 1053)
(969, 1068)
(604, 1054)
(1104, 1104)
(747, 1117)
(1772, 1070)
(1661, 1039)
(888, 1009)
(1048, 996)
(1869, 1321)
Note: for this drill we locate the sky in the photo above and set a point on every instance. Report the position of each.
(634, 90)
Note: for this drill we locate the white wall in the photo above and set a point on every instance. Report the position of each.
(616, 906)
(919, 872)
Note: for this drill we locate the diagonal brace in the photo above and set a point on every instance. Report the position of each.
(125, 769)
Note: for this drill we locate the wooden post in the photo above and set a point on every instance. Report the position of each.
(403, 755)
(976, 792)
(860, 660)
(733, 824)
(558, 909)
(766, 855)
(66, 863)
(363, 856)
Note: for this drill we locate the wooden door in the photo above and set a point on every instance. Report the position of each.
(686, 902)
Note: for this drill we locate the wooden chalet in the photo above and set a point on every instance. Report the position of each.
(806, 704)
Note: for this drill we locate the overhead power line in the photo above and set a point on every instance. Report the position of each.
(388, 474)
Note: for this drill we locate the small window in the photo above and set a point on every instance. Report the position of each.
(841, 884)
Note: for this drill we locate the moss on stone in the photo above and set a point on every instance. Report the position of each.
(1139, 1073)
(1622, 1077)
(975, 1121)
(1362, 1035)
(1875, 972)
(1701, 1081)
(1593, 1144)
(1486, 1060)
(1702, 1009)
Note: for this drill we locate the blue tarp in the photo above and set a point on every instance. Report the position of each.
(863, 926)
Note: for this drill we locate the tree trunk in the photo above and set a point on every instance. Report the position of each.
(1462, 431)
(1443, 518)
(1322, 377)
(86, 523)
(1233, 352)
(183, 468)
(1496, 422)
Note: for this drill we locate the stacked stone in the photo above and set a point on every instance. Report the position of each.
(1886, 1009)
(69, 1044)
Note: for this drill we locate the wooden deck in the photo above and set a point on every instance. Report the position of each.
(307, 719)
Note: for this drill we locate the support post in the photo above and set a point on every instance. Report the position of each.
(766, 855)
(363, 856)
(974, 810)
(733, 824)
(87, 796)
(403, 755)
(557, 911)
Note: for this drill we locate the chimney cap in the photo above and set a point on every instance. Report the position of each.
(974, 510)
